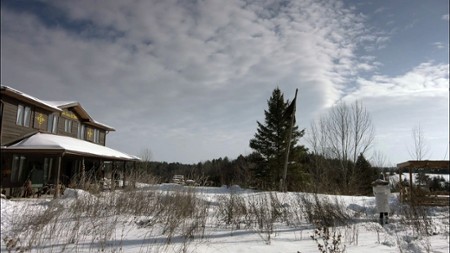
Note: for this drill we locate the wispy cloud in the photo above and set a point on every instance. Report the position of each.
(445, 17)
(425, 80)
(189, 68)
(440, 45)
(211, 42)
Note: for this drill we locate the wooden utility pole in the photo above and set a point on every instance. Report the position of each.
(286, 160)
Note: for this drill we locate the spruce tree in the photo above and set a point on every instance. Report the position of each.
(270, 141)
(364, 175)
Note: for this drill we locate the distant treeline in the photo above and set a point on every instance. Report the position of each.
(317, 173)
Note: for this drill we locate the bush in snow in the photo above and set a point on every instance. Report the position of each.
(328, 242)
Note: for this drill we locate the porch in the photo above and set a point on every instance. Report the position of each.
(416, 194)
(46, 163)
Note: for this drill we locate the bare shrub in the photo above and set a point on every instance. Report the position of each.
(259, 213)
(328, 242)
(232, 210)
(351, 234)
(179, 215)
(264, 215)
(322, 212)
(417, 218)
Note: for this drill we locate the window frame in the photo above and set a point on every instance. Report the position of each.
(68, 125)
(48, 165)
(23, 116)
(81, 131)
(96, 135)
(52, 126)
(17, 168)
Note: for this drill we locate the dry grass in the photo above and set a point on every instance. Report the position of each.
(176, 220)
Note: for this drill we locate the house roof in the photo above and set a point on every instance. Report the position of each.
(42, 142)
(76, 106)
(55, 106)
(27, 98)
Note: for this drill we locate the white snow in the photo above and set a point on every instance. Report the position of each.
(102, 229)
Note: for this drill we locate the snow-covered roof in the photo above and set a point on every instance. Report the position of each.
(56, 105)
(29, 98)
(68, 145)
(80, 110)
(62, 104)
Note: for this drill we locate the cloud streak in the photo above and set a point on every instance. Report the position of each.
(425, 80)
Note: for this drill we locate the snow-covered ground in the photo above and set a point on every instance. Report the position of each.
(152, 219)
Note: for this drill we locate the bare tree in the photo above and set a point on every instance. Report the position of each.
(143, 173)
(145, 155)
(378, 159)
(363, 130)
(343, 133)
(420, 149)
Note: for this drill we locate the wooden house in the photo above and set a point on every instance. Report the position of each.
(52, 143)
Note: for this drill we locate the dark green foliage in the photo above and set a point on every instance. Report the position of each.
(364, 175)
(270, 142)
(215, 172)
(438, 184)
(325, 175)
(327, 178)
(422, 178)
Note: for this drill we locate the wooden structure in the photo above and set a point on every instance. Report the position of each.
(412, 193)
(52, 143)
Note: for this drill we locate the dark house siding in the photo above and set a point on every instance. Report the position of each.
(40, 119)
(102, 137)
(10, 130)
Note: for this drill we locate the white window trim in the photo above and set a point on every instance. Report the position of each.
(68, 125)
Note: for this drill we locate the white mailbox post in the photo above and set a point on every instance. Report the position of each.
(381, 191)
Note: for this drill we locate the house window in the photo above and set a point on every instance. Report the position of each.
(48, 164)
(96, 135)
(23, 116)
(52, 123)
(77, 127)
(17, 171)
(81, 131)
(68, 125)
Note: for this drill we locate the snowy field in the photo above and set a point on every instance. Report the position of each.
(173, 218)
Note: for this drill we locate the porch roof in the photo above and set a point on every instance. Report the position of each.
(424, 164)
(42, 142)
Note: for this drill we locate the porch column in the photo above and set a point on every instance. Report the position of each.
(402, 194)
(113, 176)
(411, 190)
(83, 174)
(58, 172)
(124, 174)
(135, 174)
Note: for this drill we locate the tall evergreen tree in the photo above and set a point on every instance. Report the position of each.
(270, 140)
(364, 175)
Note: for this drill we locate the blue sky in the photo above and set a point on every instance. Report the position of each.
(189, 79)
